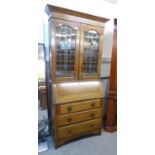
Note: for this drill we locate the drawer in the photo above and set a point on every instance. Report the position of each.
(78, 106)
(79, 117)
(78, 129)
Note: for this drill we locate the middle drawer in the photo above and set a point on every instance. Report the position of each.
(78, 117)
(78, 106)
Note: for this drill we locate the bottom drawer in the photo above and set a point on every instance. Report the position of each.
(79, 128)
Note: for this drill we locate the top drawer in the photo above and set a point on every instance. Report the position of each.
(78, 106)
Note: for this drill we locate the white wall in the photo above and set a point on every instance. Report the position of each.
(108, 39)
(41, 15)
(107, 49)
(112, 1)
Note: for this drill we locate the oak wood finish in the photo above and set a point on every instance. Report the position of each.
(78, 106)
(72, 130)
(63, 13)
(64, 140)
(69, 119)
(42, 96)
(76, 103)
(82, 22)
(77, 91)
(81, 116)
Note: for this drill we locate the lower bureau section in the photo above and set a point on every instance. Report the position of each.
(80, 128)
(77, 110)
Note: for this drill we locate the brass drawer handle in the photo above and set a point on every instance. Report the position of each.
(91, 126)
(92, 115)
(69, 131)
(69, 119)
(69, 108)
(93, 104)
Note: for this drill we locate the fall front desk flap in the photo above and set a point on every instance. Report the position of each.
(77, 91)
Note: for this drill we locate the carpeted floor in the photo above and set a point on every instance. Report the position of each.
(106, 144)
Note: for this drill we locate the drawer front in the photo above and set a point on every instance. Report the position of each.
(78, 129)
(69, 119)
(79, 106)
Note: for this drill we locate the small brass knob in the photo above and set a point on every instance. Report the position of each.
(92, 115)
(69, 119)
(93, 104)
(92, 125)
(69, 131)
(69, 108)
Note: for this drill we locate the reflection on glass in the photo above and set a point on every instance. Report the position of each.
(91, 53)
(65, 51)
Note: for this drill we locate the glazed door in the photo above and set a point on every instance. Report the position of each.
(91, 52)
(65, 49)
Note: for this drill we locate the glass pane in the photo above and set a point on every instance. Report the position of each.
(90, 53)
(65, 51)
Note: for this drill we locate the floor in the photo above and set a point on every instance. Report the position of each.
(106, 144)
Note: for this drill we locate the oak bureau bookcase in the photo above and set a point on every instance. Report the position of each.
(74, 56)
